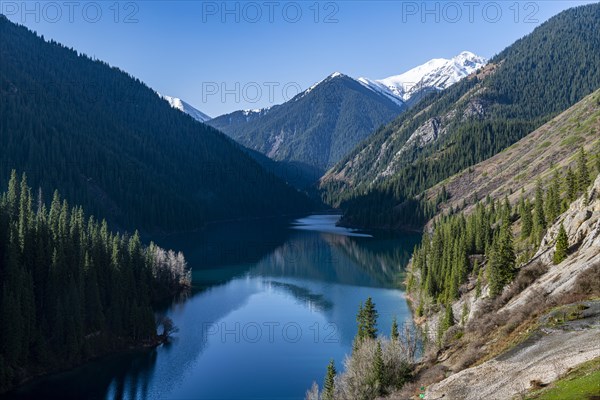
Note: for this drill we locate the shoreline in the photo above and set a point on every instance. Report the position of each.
(131, 348)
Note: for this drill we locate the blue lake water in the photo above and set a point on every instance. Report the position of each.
(273, 301)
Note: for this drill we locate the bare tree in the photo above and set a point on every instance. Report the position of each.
(168, 327)
(410, 337)
(313, 392)
(169, 267)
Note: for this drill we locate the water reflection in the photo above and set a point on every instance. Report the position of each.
(313, 301)
(271, 305)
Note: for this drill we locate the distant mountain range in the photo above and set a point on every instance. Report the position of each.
(321, 125)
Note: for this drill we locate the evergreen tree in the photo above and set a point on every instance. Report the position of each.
(395, 335)
(369, 319)
(526, 219)
(553, 198)
(583, 174)
(502, 260)
(464, 314)
(329, 385)
(539, 220)
(379, 371)
(360, 322)
(506, 209)
(69, 293)
(571, 185)
(449, 319)
(562, 245)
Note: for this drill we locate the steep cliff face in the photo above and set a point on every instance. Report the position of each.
(543, 325)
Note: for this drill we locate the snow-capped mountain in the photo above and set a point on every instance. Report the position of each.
(436, 74)
(186, 108)
(322, 124)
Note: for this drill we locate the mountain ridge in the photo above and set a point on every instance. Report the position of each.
(321, 135)
(316, 127)
(435, 75)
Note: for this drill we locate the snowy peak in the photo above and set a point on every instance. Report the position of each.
(469, 59)
(435, 74)
(186, 108)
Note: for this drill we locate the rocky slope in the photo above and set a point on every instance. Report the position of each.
(546, 356)
(528, 336)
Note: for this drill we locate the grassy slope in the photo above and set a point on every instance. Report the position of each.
(581, 383)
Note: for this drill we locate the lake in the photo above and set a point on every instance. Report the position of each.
(273, 302)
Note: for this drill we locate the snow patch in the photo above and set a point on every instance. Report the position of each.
(186, 108)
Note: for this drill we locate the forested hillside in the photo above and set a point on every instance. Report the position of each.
(109, 143)
(71, 289)
(521, 88)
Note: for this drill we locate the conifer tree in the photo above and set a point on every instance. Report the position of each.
(475, 268)
(360, 322)
(66, 283)
(539, 219)
(502, 260)
(583, 174)
(395, 335)
(506, 209)
(449, 319)
(562, 245)
(571, 185)
(526, 220)
(329, 385)
(379, 371)
(553, 198)
(464, 314)
(369, 319)
(13, 195)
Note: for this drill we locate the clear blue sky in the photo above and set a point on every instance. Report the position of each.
(224, 56)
